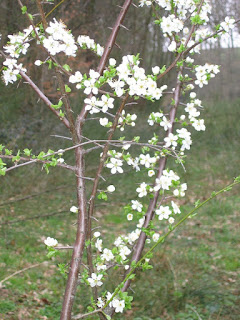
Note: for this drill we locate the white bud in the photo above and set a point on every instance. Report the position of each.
(112, 62)
(74, 209)
(96, 234)
(155, 70)
(111, 188)
(38, 63)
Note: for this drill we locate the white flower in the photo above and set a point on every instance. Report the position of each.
(118, 305)
(60, 160)
(76, 78)
(118, 242)
(96, 234)
(38, 63)
(90, 87)
(175, 207)
(107, 255)
(155, 237)
(146, 160)
(199, 124)
(100, 303)
(136, 205)
(124, 251)
(111, 188)
(163, 212)
(126, 146)
(95, 280)
(51, 242)
(172, 47)
(171, 140)
(171, 220)
(115, 165)
(151, 173)
(101, 266)
(155, 70)
(112, 62)
(98, 245)
(105, 103)
(129, 217)
(103, 121)
(142, 190)
(165, 123)
(228, 24)
(193, 95)
(74, 209)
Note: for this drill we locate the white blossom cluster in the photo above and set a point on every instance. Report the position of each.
(117, 304)
(129, 73)
(18, 45)
(60, 39)
(204, 73)
(88, 43)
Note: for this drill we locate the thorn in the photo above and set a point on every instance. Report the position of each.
(134, 5)
(121, 25)
(117, 45)
(110, 28)
(119, 6)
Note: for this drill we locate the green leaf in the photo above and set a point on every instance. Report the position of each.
(8, 152)
(61, 114)
(102, 196)
(213, 194)
(163, 69)
(24, 9)
(67, 88)
(1, 147)
(30, 16)
(27, 152)
(3, 171)
(196, 20)
(66, 67)
(17, 157)
(237, 179)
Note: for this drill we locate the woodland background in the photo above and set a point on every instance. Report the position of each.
(196, 272)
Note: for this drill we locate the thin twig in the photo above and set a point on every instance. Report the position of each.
(21, 271)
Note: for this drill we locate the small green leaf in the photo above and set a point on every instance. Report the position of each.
(27, 152)
(67, 88)
(66, 67)
(30, 16)
(102, 196)
(24, 9)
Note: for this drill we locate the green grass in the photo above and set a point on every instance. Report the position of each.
(196, 271)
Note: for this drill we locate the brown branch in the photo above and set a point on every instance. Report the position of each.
(95, 188)
(67, 105)
(44, 98)
(107, 51)
(77, 254)
(31, 161)
(162, 163)
(40, 94)
(40, 9)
